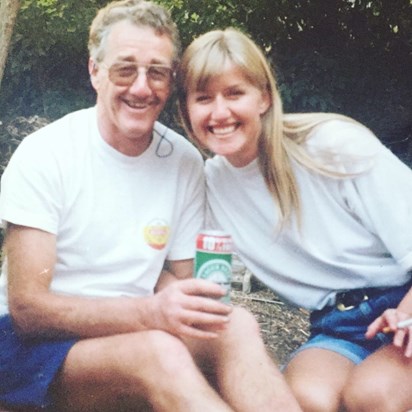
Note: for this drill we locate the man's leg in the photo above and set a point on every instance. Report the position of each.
(381, 383)
(317, 377)
(131, 371)
(245, 375)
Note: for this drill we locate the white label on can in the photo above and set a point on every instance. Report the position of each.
(218, 271)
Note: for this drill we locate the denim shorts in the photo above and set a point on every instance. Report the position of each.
(343, 332)
(28, 367)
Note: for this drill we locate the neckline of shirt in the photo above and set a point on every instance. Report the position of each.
(110, 153)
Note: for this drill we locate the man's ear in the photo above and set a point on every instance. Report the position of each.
(93, 70)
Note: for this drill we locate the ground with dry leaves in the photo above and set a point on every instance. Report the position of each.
(284, 327)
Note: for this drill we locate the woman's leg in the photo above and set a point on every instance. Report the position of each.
(317, 378)
(381, 383)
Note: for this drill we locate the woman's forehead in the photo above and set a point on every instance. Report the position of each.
(202, 74)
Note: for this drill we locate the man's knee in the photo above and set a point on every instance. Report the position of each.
(148, 353)
(128, 369)
(165, 353)
(243, 323)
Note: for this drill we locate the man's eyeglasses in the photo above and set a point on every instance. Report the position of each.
(125, 73)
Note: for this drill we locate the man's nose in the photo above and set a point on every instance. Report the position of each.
(141, 85)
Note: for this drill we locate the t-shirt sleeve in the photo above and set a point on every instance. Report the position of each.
(192, 210)
(28, 194)
(382, 198)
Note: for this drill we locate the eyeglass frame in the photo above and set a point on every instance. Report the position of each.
(155, 83)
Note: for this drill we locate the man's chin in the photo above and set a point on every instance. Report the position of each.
(135, 127)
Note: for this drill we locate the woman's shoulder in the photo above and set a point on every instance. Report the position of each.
(214, 167)
(344, 137)
(343, 146)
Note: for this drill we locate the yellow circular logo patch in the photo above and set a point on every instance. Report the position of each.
(156, 234)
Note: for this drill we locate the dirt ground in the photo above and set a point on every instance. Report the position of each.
(284, 327)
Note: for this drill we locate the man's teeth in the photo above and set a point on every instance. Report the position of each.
(137, 105)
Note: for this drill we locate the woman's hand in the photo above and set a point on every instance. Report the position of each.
(387, 323)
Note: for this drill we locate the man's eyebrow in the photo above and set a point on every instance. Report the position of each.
(132, 59)
(129, 59)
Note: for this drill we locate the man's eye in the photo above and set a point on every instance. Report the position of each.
(158, 72)
(125, 71)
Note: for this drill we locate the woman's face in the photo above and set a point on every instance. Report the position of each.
(226, 116)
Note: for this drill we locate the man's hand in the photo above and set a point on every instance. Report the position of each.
(190, 308)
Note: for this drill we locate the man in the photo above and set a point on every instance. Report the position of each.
(102, 208)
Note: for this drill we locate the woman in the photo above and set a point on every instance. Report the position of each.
(317, 208)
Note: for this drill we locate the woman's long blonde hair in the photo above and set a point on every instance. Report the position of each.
(282, 134)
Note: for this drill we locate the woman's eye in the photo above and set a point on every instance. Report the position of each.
(202, 98)
(236, 93)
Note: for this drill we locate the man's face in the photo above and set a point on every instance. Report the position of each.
(126, 113)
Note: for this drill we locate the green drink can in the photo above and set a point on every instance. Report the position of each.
(213, 259)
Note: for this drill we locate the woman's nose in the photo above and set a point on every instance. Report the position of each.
(220, 108)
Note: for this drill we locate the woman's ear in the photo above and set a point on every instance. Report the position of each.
(265, 102)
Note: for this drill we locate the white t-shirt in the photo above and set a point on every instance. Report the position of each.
(116, 217)
(355, 232)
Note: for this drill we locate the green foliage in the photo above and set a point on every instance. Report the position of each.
(198, 16)
(48, 52)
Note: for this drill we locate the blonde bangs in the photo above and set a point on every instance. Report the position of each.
(203, 69)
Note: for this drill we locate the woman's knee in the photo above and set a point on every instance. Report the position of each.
(314, 398)
(368, 394)
(317, 377)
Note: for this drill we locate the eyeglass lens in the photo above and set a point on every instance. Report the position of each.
(123, 74)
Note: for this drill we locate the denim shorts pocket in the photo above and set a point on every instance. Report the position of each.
(351, 324)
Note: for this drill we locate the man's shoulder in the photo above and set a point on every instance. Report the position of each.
(60, 134)
(71, 125)
(60, 141)
(169, 139)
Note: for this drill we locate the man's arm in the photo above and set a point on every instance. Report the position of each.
(174, 270)
(31, 258)
(36, 311)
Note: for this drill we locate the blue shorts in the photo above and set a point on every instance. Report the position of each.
(28, 367)
(343, 332)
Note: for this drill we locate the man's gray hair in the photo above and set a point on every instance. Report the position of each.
(142, 13)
